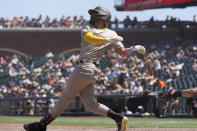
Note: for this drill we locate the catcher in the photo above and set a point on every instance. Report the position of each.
(96, 39)
(177, 93)
(172, 93)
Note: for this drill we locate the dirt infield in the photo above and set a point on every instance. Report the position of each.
(18, 127)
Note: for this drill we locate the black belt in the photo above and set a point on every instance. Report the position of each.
(83, 61)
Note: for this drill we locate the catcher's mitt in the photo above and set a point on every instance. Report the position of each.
(166, 95)
(170, 93)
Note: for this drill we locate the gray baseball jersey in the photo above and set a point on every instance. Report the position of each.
(82, 79)
(93, 52)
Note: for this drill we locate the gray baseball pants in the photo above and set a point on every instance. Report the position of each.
(81, 81)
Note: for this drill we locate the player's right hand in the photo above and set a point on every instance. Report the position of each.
(140, 49)
(114, 39)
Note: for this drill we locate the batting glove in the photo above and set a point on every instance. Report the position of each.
(139, 49)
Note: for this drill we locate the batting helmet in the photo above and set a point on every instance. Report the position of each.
(100, 13)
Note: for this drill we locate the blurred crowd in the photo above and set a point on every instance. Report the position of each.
(174, 64)
(171, 62)
(22, 22)
(37, 77)
(77, 22)
(169, 22)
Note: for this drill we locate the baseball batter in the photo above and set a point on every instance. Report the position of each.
(96, 39)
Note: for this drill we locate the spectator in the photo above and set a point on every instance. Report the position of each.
(49, 54)
(2, 61)
(14, 22)
(140, 109)
(127, 22)
(161, 84)
(173, 21)
(75, 22)
(157, 65)
(139, 88)
(195, 19)
(135, 23)
(27, 22)
(51, 105)
(125, 111)
(133, 88)
(29, 108)
(1, 22)
(194, 66)
(151, 22)
(81, 21)
(33, 23)
(69, 22)
(100, 89)
(54, 23)
(117, 89)
(175, 69)
(47, 21)
(39, 21)
(19, 108)
(62, 20)
(116, 21)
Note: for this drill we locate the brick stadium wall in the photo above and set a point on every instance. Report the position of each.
(36, 42)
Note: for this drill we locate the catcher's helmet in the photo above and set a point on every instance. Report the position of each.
(100, 13)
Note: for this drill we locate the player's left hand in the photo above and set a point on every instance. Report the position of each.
(140, 49)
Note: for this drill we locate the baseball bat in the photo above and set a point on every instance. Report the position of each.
(148, 66)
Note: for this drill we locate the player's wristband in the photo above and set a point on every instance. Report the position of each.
(124, 53)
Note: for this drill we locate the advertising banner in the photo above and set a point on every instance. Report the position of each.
(147, 4)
